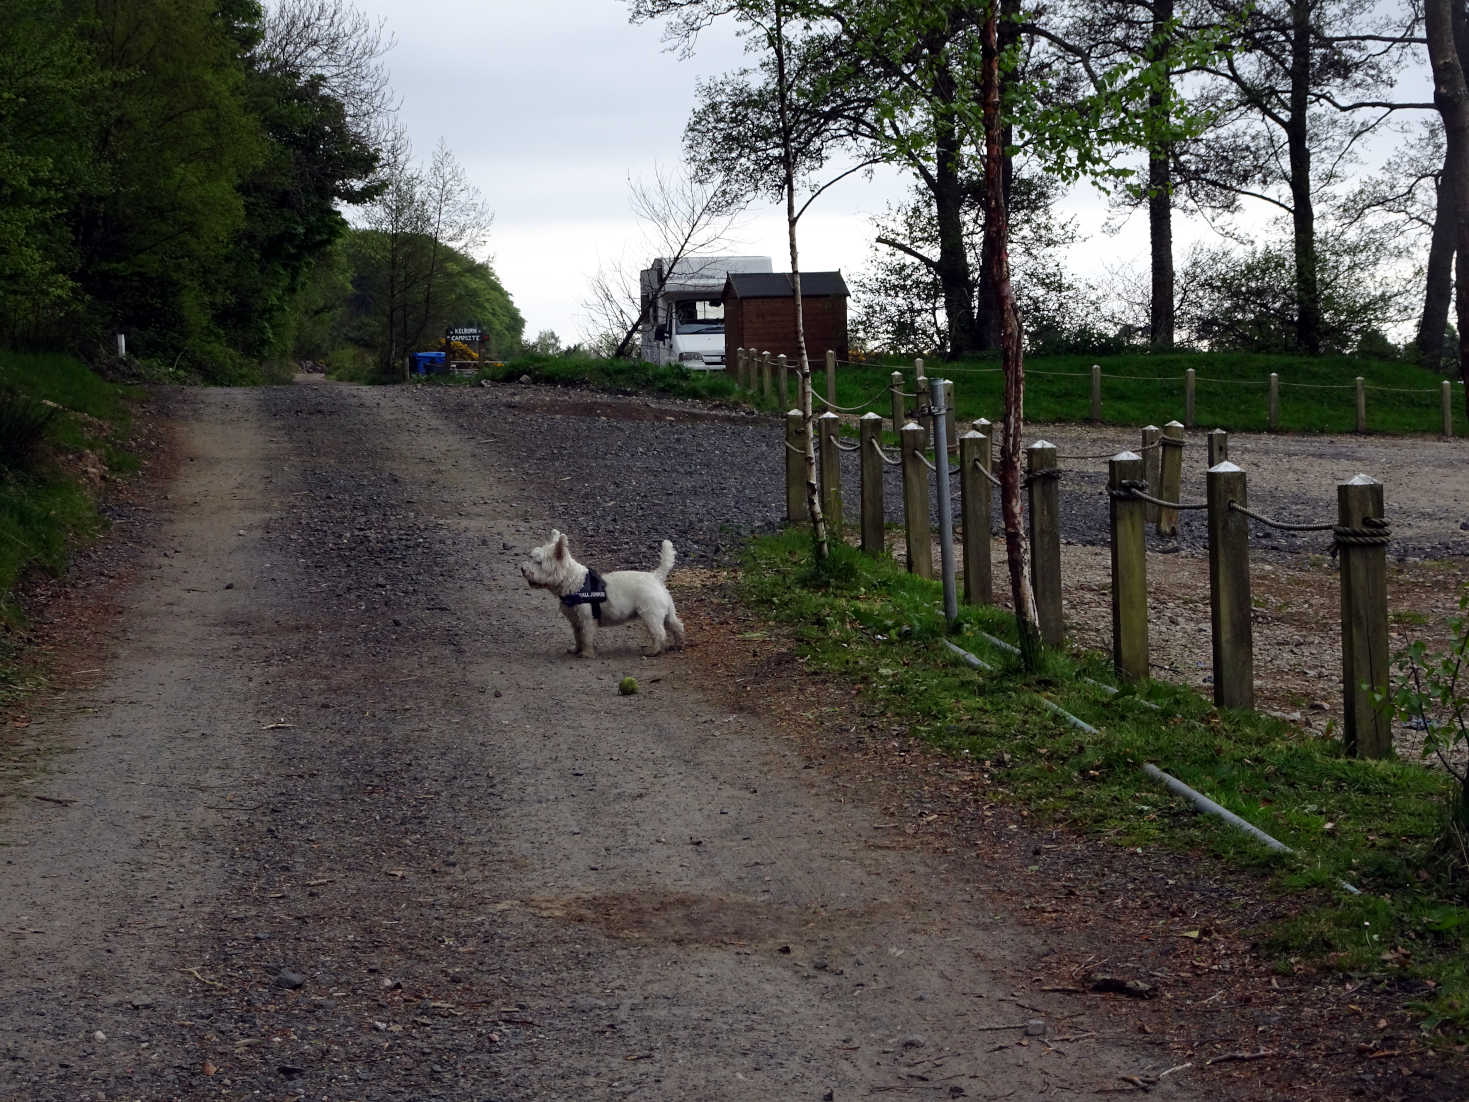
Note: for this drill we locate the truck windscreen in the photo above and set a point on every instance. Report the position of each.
(700, 316)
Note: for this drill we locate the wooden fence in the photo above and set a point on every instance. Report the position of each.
(1144, 488)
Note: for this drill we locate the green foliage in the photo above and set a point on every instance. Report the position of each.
(1245, 301)
(1433, 696)
(1373, 824)
(46, 85)
(355, 287)
(157, 179)
(43, 512)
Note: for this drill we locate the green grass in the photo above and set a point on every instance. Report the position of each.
(1371, 824)
(614, 375)
(1317, 395)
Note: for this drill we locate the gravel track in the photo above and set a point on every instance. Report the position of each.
(326, 812)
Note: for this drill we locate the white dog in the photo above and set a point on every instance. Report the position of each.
(590, 600)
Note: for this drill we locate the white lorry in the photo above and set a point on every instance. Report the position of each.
(683, 308)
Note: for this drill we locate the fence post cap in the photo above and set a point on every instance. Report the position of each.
(1041, 444)
(871, 416)
(1124, 457)
(914, 425)
(1361, 480)
(1225, 467)
(896, 375)
(1174, 425)
(972, 434)
(1151, 428)
(828, 415)
(794, 413)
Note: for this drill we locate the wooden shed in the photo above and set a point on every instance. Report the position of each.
(760, 314)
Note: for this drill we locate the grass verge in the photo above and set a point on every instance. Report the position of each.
(1374, 825)
(47, 503)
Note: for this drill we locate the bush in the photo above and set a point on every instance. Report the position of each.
(23, 425)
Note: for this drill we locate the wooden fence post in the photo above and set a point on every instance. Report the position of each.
(924, 402)
(766, 362)
(951, 423)
(795, 468)
(1361, 404)
(739, 367)
(915, 502)
(1274, 409)
(1129, 568)
(1190, 393)
(1171, 477)
(895, 388)
(1366, 728)
(1218, 441)
(1042, 478)
(782, 373)
(1152, 468)
(831, 471)
(831, 377)
(1229, 589)
(974, 498)
(873, 521)
(1446, 401)
(1096, 414)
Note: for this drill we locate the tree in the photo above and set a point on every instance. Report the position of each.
(1070, 138)
(777, 130)
(681, 216)
(342, 48)
(45, 139)
(1444, 23)
(170, 145)
(1244, 300)
(456, 219)
(903, 306)
(1292, 64)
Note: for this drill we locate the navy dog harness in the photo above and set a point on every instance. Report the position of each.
(592, 592)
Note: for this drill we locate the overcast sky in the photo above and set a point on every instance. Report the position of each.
(550, 106)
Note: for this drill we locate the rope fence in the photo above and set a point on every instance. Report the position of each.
(1139, 492)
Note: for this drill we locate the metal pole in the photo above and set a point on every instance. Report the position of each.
(946, 506)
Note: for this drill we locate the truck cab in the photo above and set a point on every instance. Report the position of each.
(695, 333)
(683, 309)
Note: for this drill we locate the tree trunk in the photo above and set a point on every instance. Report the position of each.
(788, 165)
(989, 322)
(1438, 291)
(997, 267)
(952, 268)
(1451, 97)
(1303, 211)
(1160, 202)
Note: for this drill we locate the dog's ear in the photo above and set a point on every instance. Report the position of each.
(560, 543)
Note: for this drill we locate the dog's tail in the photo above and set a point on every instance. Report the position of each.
(665, 561)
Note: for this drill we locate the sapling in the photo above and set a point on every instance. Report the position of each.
(1433, 696)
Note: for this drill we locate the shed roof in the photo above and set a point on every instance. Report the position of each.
(778, 285)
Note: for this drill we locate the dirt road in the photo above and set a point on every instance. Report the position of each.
(333, 816)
